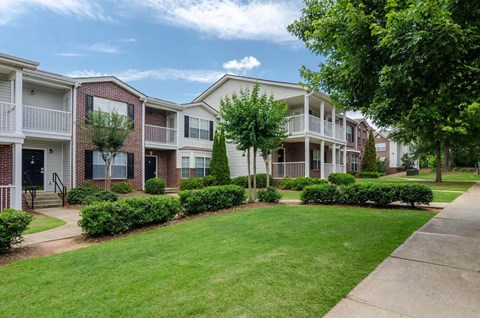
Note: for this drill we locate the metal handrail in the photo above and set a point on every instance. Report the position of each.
(61, 187)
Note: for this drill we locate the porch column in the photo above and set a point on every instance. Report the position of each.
(307, 156)
(344, 125)
(322, 160)
(334, 157)
(322, 117)
(18, 102)
(334, 119)
(16, 196)
(306, 108)
(344, 159)
(143, 145)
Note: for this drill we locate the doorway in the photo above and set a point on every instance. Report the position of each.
(150, 167)
(33, 168)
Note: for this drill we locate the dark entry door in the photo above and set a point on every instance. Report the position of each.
(150, 167)
(281, 161)
(33, 163)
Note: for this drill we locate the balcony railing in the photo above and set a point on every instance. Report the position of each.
(5, 196)
(327, 130)
(315, 124)
(339, 168)
(328, 169)
(6, 118)
(161, 135)
(339, 131)
(296, 124)
(288, 169)
(46, 120)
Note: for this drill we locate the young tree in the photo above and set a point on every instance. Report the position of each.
(369, 161)
(108, 133)
(219, 164)
(409, 64)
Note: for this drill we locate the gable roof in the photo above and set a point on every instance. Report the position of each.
(17, 61)
(113, 79)
(204, 105)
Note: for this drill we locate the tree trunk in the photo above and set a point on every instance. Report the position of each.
(248, 177)
(438, 177)
(105, 181)
(267, 172)
(254, 194)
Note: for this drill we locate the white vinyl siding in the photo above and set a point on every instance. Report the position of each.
(44, 97)
(185, 167)
(119, 166)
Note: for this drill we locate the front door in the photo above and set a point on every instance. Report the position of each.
(33, 162)
(150, 167)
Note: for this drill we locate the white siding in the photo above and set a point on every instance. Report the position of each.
(5, 89)
(198, 112)
(43, 96)
(66, 164)
(238, 162)
(393, 154)
(54, 162)
(234, 85)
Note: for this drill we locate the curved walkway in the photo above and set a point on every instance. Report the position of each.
(435, 273)
(67, 230)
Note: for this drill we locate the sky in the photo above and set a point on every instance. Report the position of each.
(169, 49)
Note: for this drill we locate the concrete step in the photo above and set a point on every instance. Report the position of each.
(171, 190)
(44, 200)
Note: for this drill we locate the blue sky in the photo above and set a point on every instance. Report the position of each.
(170, 49)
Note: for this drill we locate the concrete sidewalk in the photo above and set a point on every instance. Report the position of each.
(67, 230)
(435, 273)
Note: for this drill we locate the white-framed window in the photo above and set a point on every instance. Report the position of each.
(354, 162)
(381, 146)
(119, 166)
(202, 166)
(199, 128)
(316, 160)
(185, 167)
(349, 133)
(110, 106)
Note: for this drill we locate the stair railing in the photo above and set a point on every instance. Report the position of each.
(62, 189)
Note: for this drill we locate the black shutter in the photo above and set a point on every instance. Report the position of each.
(311, 159)
(130, 165)
(211, 130)
(88, 164)
(186, 126)
(131, 113)
(88, 106)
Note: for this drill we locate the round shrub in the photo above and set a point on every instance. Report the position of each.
(341, 179)
(355, 194)
(270, 194)
(12, 224)
(369, 175)
(191, 184)
(242, 181)
(77, 195)
(300, 183)
(90, 199)
(415, 193)
(122, 187)
(320, 194)
(106, 196)
(155, 186)
(209, 181)
(287, 184)
(211, 198)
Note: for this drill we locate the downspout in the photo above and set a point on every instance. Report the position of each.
(73, 150)
(143, 142)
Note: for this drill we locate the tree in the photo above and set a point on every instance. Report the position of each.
(108, 133)
(219, 164)
(409, 64)
(251, 120)
(369, 161)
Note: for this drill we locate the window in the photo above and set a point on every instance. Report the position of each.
(316, 160)
(199, 128)
(185, 167)
(381, 146)
(354, 162)
(349, 133)
(119, 166)
(110, 106)
(202, 166)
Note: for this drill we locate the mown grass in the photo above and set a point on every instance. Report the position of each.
(280, 261)
(42, 223)
(442, 196)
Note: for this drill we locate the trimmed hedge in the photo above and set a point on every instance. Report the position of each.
(369, 175)
(270, 194)
(287, 183)
(155, 186)
(191, 184)
(12, 224)
(416, 193)
(107, 218)
(261, 181)
(211, 198)
(323, 193)
(341, 178)
(80, 194)
(122, 187)
(300, 183)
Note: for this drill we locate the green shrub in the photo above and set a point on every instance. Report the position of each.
(242, 181)
(211, 198)
(209, 181)
(90, 185)
(320, 194)
(341, 178)
(106, 196)
(79, 195)
(89, 199)
(353, 173)
(300, 183)
(122, 187)
(12, 224)
(369, 175)
(355, 194)
(383, 194)
(287, 183)
(270, 194)
(106, 218)
(415, 193)
(191, 184)
(155, 186)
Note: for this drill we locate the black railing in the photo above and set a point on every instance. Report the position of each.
(62, 190)
(29, 187)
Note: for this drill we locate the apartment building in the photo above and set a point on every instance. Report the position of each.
(390, 150)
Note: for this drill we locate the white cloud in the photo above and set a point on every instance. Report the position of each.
(127, 40)
(102, 48)
(229, 19)
(68, 54)
(247, 63)
(131, 75)
(11, 9)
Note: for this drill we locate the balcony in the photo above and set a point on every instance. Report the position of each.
(37, 119)
(296, 124)
(288, 169)
(6, 117)
(160, 135)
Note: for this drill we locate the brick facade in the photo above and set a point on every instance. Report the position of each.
(133, 144)
(156, 117)
(6, 164)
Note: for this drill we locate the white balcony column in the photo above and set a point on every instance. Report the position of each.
(344, 159)
(16, 195)
(322, 118)
(143, 143)
(307, 156)
(345, 125)
(322, 160)
(334, 122)
(73, 144)
(18, 102)
(334, 157)
(306, 108)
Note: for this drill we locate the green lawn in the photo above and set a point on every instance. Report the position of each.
(290, 195)
(269, 262)
(441, 196)
(450, 176)
(42, 223)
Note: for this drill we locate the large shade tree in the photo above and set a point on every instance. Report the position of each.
(409, 64)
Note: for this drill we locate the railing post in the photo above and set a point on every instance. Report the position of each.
(18, 102)
(322, 160)
(345, 125)
(307, 156)
(17, 177)
(334, 123)
(334, 157)
(306, 113)
(322, 118)
(344, 159)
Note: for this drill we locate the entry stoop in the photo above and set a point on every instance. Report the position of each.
(171, 190)
(44, 200)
